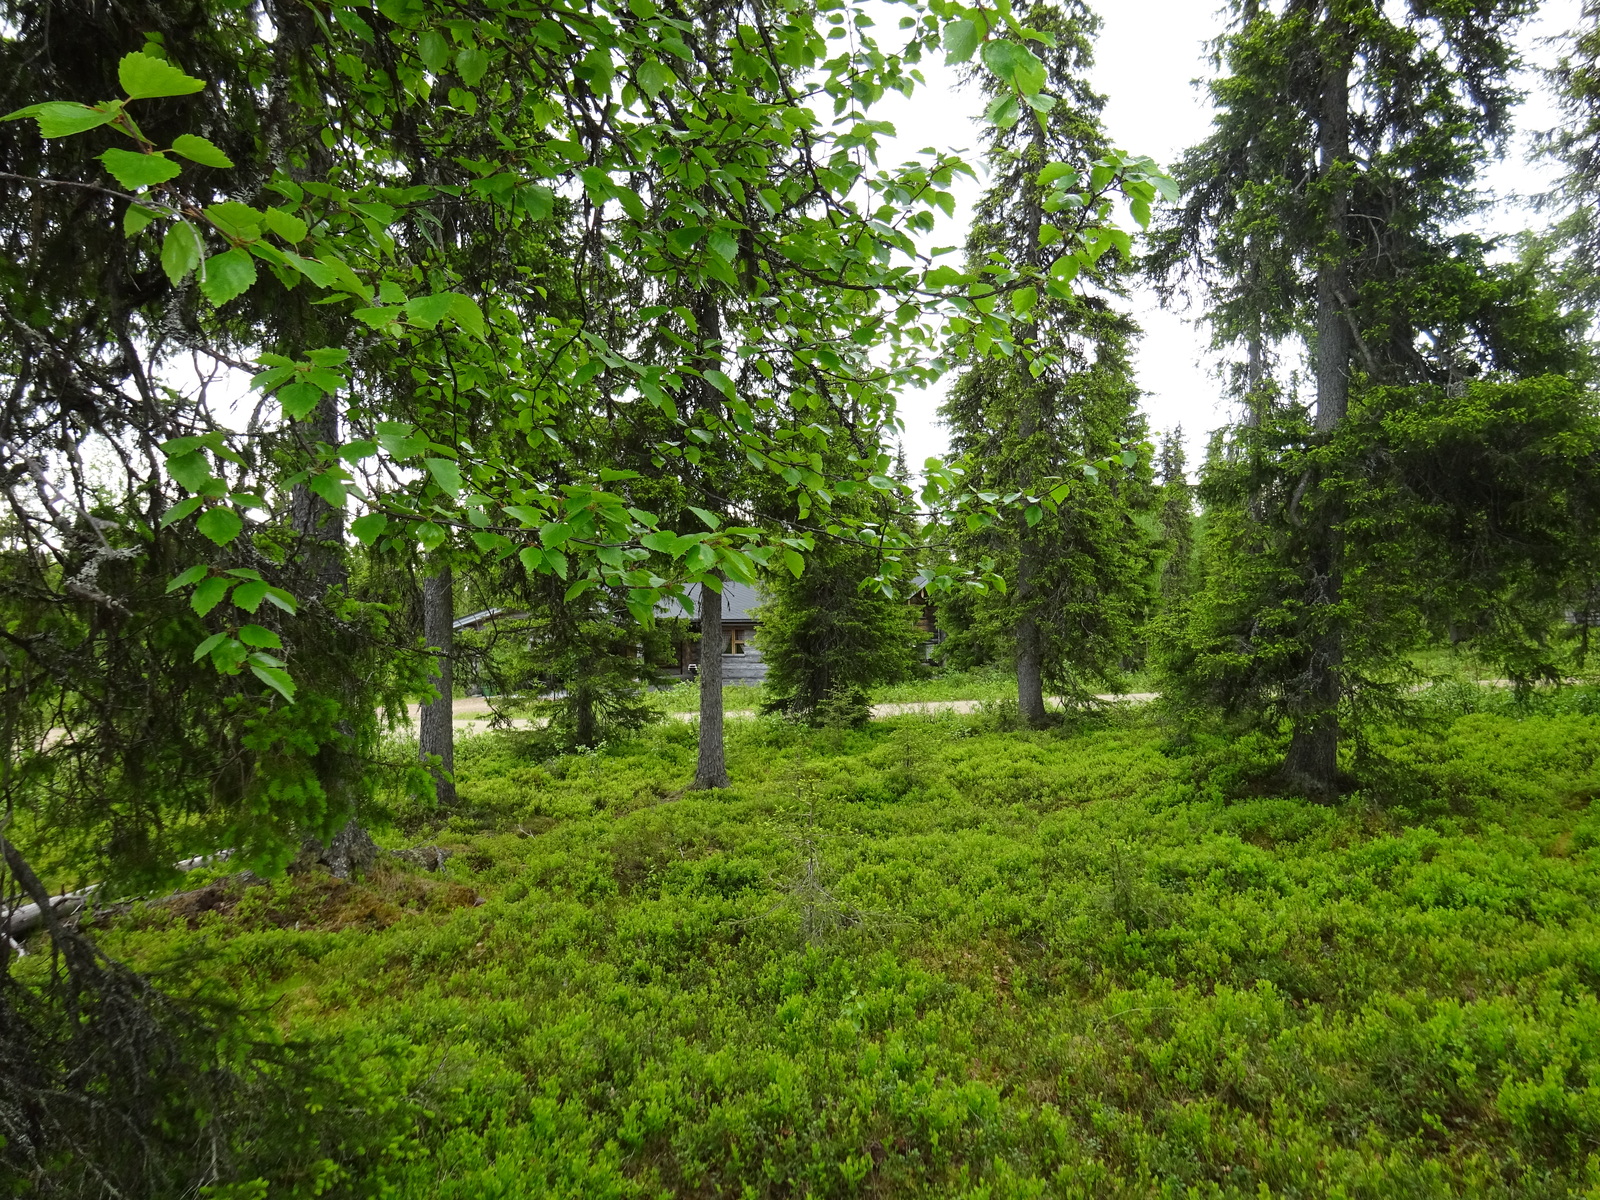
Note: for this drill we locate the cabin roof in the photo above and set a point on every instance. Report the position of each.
(739, 602)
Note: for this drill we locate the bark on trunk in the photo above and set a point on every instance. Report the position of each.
(1255, 373)
(320, 527)
(1333, 326)
(1312, 763)
(586, 726)
(1030, 658)
(437, 729)
(711, 771)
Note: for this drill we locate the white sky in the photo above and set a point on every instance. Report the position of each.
(1148, 55)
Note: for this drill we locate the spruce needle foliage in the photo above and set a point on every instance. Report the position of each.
(1077, 573)
(827, 640)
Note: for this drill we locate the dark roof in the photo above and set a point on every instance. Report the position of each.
(739, 600)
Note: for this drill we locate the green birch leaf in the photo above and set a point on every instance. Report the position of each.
(133, 170)
(180, 251)
(209, 594)
(137, 218)
(145, 77)
(192, 575)
(262, 639)
(723, 244)
(433, 50)
(1003, 111)
(249, 596)
(653, 76)
(472, 62)
(961, 40)
(299, 400)
(537, 201)
(180, 510)
(275, 678)
(445, 473)
(330, 488)
(285, 224)
(464, 311)
(61, 118)
(192, 470)
(431, 536)
(281, 599)
(1014, 65)
(200, 150)
(228, 275)
(369, 528)
(219, 524)
(425, 312)
(207, 646)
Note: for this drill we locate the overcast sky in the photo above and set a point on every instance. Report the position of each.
(1148, 55)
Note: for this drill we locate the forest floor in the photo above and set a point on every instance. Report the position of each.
(940, 957)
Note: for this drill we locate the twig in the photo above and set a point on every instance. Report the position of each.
(71, 183)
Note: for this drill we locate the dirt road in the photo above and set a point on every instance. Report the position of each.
(472, 712)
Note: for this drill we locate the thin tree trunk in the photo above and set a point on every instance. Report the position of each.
(437, 731)
(1029, 643)
(1312, 762)
(712, 769)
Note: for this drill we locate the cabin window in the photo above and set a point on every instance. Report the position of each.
(738, 639)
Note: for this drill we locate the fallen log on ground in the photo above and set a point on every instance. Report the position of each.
(25, 918)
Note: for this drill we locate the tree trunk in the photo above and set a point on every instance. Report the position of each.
(1030, 658)
(317, 523)
(1255, 373)
(585, 725)
(712, 770)
(1312, 763)
(437, 732)
(324, 567)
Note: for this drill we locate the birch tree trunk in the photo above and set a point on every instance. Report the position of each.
(711, 771)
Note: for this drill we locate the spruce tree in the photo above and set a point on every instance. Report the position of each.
(826, 640)
(1347, 140)
(1176, 517)
(1075, 572)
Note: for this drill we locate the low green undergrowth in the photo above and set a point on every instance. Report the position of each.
(981, 684)
(927, 958)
